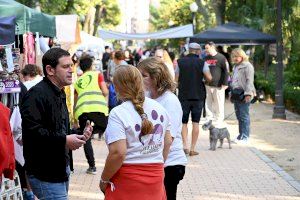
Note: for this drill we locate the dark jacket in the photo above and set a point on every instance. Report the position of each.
(45, 124)
(190, 81)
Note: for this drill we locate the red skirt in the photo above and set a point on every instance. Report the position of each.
(138, 182)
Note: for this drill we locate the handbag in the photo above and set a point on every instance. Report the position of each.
(237, 95)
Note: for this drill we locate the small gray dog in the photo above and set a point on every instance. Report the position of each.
(215, 134)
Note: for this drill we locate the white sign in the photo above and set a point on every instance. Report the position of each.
(272, 50)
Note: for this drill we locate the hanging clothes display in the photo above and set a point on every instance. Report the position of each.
(7, 156)
(30, 48)
(9, 60)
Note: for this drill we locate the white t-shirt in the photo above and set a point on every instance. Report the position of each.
(125, 123)
(171, 103)
(33, 82)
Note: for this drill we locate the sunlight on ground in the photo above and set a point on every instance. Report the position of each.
(264, 146)
(222, 196)
(287, 121)
(100, 163)
(85, 195)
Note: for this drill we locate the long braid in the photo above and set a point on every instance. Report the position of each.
(129, 82)
(138, 101)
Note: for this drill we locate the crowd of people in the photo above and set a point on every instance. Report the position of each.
(142, 103)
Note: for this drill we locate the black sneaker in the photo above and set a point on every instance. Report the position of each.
(91, 170)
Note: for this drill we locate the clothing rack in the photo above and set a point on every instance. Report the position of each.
(9, 96)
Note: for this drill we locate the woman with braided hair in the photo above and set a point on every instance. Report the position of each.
(138, 139)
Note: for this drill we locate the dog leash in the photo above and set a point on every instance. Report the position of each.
(229, 115)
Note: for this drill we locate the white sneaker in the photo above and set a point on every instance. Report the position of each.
(235, 141)
(244, 142)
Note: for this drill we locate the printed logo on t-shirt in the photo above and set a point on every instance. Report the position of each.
(152, 142)
(84, 81)
(212, 62)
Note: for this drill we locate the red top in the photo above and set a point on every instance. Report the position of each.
(7, 154)
(100, 79)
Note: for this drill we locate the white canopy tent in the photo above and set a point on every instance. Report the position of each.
(89, 42)
(177, 32)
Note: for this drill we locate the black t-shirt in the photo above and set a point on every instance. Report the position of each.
(190, 81)
(218, 69)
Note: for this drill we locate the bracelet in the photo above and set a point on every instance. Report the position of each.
(112, 186)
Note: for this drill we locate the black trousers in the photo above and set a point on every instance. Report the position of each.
(173, 174)
(100, 121)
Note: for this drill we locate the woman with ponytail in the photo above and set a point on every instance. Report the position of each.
(138, 139)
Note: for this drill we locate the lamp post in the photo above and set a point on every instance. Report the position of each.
(279, 109)
(171, 23)
(194, 9)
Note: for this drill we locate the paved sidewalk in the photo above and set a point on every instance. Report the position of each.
(237, 173)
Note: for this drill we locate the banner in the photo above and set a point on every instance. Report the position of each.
(177, 32)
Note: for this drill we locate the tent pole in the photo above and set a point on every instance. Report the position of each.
(266, 67)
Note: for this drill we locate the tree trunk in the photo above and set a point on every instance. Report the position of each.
(97, 19)
(89, 21)
(69, 7)
(219, 7)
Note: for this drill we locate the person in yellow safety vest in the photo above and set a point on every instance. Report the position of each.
(90, 104)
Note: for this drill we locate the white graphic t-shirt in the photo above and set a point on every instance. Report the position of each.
(171, 103)
(125, 123)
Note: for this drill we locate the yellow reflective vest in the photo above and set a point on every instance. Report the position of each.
(90, 98)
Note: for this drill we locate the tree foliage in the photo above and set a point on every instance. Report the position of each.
(108, 16)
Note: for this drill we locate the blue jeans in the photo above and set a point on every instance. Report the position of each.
(49, 191)
(243, 117)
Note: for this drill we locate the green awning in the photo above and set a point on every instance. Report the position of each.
(28, 19)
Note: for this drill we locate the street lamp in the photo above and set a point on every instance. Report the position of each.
(171, 23)
(279, 109)
(194, 9)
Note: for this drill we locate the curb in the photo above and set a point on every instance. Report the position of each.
(294, 183)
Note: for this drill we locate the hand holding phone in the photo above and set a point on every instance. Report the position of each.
(87, 132)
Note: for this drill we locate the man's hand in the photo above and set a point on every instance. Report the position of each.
(88, 130)
(247, 98)
(75, 141)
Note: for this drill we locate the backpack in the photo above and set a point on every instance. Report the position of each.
(112, 97)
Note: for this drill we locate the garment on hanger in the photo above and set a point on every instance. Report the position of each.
(25, 51)
(7, 157)
(16, 127)
(4, 99)
(37, 44)
(1, 68)
(30, 48)
(9, 59)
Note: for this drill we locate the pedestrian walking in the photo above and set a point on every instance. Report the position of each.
(160, 85)
(138, 139)
(192, 93)
(242, 81)
(215, 90)
(90, 104)
(117, 60)
(47, 138)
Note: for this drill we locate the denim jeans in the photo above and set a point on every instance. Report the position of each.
(243, 117)
(49, 191)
